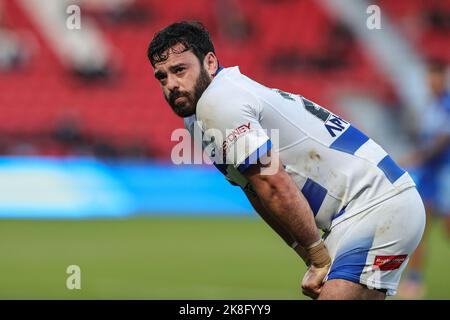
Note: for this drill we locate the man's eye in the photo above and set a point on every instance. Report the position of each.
(160, 77)
(179, 70)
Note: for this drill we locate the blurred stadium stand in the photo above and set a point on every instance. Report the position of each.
(88, 188)
(52, 108)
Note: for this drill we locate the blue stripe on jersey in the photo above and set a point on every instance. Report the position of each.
(218, 70)
(350, 141)
(253, 158)
(350, 261)
(314, 194)
(340, 213)
(390, 169)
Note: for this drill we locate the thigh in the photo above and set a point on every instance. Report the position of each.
(339, 289)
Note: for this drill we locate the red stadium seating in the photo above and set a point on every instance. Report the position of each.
(31, 100)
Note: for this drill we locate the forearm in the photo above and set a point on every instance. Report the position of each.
(294, 214)
(281, 197)
(291, 209)
(275, 224)
(270, 219)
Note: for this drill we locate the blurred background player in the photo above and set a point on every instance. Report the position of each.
(430, 166)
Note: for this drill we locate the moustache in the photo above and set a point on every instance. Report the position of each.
(176, 94)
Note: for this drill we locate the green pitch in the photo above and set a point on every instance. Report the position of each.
(164, 258)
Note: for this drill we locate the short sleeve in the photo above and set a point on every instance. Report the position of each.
(231, 122)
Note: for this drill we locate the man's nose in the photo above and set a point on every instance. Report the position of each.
(172, 82)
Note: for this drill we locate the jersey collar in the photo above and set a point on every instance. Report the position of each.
(218, 70)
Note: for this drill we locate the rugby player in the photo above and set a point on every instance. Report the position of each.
(302, 168)
(430, 168)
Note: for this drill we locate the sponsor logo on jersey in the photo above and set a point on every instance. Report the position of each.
(389, 262)
(234, 135)
(334, 125)
(316, 110)
(284, 94)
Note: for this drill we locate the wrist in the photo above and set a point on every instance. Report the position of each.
(302, 253)
(318, 254)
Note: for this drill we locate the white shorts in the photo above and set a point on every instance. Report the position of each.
(373, 247)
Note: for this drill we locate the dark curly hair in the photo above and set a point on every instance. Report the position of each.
(192, 35)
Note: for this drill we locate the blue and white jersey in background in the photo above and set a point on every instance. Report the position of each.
(339, 170)
(434, 123)
(433, 176)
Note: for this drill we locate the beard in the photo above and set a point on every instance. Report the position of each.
(188, 106)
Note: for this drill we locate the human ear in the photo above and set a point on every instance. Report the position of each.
(211, 63)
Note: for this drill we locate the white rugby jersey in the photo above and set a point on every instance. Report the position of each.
(339, 170)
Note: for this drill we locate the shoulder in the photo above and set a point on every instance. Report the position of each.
(226, 95)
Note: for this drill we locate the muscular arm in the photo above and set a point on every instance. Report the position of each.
(275, 224)
(278, 194)
(288, 212)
